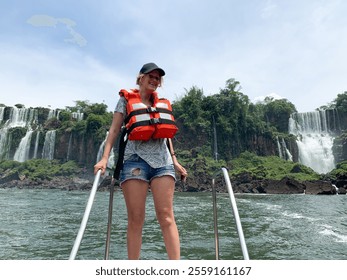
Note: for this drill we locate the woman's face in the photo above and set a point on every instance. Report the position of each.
(151, 81)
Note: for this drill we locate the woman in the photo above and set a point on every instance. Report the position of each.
(147, 164)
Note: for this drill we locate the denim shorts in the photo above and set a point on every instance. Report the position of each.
(136, 168)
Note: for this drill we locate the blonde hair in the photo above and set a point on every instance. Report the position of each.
(140, 76)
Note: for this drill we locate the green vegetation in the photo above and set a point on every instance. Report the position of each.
(39, 169)
(341, 102)
(341, 169)
(259, 167)
(95, 123)
(271, 167)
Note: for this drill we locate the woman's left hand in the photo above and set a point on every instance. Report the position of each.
(180, 169)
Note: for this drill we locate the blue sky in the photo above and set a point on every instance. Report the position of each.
(53, 53)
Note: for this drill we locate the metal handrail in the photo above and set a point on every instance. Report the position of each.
(236, 214)
(85, 216)
(215, 219)
(109, 222)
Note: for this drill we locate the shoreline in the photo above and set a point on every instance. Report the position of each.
(265, 186)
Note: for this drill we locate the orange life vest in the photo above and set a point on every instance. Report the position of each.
(148, 122)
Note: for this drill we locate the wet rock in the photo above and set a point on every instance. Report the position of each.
(319, 187)
(284, 186)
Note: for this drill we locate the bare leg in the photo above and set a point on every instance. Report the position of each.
(163, 192)
(135, 193)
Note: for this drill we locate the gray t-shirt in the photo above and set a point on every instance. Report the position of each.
(154, 151)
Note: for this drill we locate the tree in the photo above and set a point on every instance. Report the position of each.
(277, 113)
(189, 109)
(341, 102)
(94, 123)
(232, 86)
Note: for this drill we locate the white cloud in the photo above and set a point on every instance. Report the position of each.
(269, 10)
(272, 96)
(48, 21)
(42, 21)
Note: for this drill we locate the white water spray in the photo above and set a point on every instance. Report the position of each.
(2, 111)
(283, 151)
(18, 117)
(314, 140)
(36, 144)
(48, 146)
(22, 152)
(110, 162)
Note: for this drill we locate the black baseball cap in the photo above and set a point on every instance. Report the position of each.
(149, 67)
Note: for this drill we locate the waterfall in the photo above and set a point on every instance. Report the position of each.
(18, 117)
(21, 117)
(77, 115)
(283, 151)
(2, 111)
(336, 189)
(110, 162)
(48, 146)
(53, 114)
(4, 143)
(100, 151)
(69, 148)
(22, 152)
(314, 140)
(287, 152)
(36, 144)
(280, 154)
(25, 118)
(22, 131)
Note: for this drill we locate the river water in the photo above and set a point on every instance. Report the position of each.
(43, 224)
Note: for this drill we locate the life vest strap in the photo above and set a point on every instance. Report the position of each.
(121, 149)
(151, 122)
(147, 110)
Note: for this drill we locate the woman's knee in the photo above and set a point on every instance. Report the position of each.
(136, 219)
(165, 218)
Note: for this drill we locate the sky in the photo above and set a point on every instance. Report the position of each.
(53, 53)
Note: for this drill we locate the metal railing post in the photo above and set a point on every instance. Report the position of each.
(109, 223)
(85, 216)
(236, 214)
(215, 219)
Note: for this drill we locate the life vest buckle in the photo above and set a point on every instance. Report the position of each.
(151, 110)
(154, 121)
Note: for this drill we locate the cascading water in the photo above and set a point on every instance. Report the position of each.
(24, 135)
(69, 148)
(4, 140)
(283, 151)
(18, 117)
(314, 140)
(36, 144)
(53, 114)
(287, 152)
(110, 162)
(26, 118)
(2, 111)
(77, 115)
(280, 154)
(22, 152)
(21, 117)
(48, 146)
(2, 132)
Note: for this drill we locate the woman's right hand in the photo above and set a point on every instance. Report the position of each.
(100, 165)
